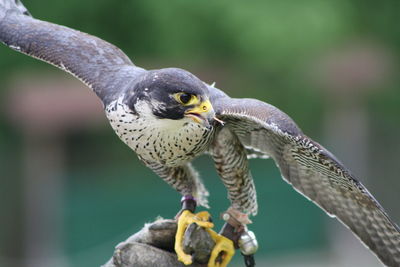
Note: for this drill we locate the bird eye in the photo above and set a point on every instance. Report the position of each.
(186, 99)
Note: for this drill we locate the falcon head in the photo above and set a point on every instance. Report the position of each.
(172, 94)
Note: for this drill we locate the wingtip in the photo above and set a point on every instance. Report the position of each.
(14, 6)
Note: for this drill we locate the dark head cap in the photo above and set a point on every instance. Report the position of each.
(160, 87)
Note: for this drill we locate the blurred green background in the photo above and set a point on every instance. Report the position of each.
(70, 190)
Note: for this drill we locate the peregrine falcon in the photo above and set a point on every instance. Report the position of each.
(169, 117)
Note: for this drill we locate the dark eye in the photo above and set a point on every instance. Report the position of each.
(185, 98)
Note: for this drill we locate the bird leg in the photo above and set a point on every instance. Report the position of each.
(229, 237)
(222, 252)
(225, 242)
(235, 228)
(224, 247)
(186, 217)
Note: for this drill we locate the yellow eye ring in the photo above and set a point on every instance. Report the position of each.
(186, 99)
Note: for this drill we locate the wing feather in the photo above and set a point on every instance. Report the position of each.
(97, 63)
(312, 170)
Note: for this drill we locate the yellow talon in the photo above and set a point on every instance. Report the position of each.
(222, 245)
(185, 219)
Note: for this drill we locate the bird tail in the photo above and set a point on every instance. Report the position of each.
(12, 6)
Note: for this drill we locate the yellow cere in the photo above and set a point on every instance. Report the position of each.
(201, 108)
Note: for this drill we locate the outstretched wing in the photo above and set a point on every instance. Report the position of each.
(312, 170)
(100, 65)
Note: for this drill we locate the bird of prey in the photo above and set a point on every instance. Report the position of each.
(169, 117)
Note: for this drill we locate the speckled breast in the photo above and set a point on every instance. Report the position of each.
(169, 142)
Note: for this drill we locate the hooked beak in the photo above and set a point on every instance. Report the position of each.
(202, 113)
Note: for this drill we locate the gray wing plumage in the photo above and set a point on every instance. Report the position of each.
(311, 170)
(100, 65)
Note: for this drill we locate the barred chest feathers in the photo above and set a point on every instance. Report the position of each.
(169, 142)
